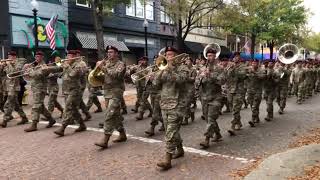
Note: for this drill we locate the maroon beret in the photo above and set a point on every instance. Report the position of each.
(112, 47)
(170, 48)
(74, 52)
(211, 51)
(144, 58)
(40, 53)
(12, 53)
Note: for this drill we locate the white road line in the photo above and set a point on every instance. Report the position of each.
(153, 141)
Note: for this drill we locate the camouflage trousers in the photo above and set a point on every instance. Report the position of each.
(270, 95)
(282, 96)
(172, 120)
(144, 103)
(309, 88)
(12, 104)
(204, 103)
(139, 97)
(38, 107)
(93, 99)
(113, 117)
(225, 102)
(71, 111)
(2, 100)
(82, 105)
(255, 100)
(155, 103)
(213, 114)
(53, 102)
(190, 104)
(298, 91)
(236, 100)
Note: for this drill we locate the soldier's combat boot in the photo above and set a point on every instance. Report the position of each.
(217, 137)
(104, 142)
(82, 127)
(179, 153)
(98, 110)
(4, 124)
(60, 131)
(162, 127)
(33, 127)
(205, 143)
(101, 125)
(122, 137)
(51, 123)
(150, 132)
(166, 163)
(140, 116)
(24, 120)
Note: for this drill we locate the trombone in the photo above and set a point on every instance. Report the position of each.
(161, 63)
(25, 72)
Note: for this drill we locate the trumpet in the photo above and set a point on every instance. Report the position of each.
(6, 60)
(25, 72)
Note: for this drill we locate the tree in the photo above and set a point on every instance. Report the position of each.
(100, 8)
(272, 21)
(312, 42)
(187, 14)
(280, 20)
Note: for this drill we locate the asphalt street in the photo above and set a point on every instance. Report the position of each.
(42, 155)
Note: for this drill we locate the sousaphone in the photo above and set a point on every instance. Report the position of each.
(213, 46)
(288, 53)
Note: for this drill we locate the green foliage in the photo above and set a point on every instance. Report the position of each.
(312, 42)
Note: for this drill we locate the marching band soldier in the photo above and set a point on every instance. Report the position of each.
(270, 88)
(93, 98)
(83, 80)
(73, 70)
(283, 86)
(39, 74)
(297, 79)
(114, 71)
(155, 102)
(12, 90)
(143, 102)
(256, 76)
(224, 88)
(3, 94)
(140, 84)
(190, 97)
(53, 88)
(171, 81)
(236, 76)
(210, 80)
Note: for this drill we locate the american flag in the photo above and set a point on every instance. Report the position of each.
(51, 33)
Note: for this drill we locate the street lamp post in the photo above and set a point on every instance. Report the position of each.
(145, 25)
(35, 7)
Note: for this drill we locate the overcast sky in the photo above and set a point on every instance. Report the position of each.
(314, 20)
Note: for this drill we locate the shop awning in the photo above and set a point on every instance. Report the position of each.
(88, 41)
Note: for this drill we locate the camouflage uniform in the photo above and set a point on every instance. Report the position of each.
(155, 104)
(143, 101)
(236, 77)
(83, 85)
(140, 85)
(2, 88)
(53, 90)
(12, 90)
(210, 86)
(283, 88)
(93, 98)
(190, 97)
(71, 85)
(39, 86)
(271, 87)
(170, 81)
(113, 93)
(297, 79)
(255, 85)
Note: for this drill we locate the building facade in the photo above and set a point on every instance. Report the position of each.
(21, 25)
(124, 27)
(4, 32)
